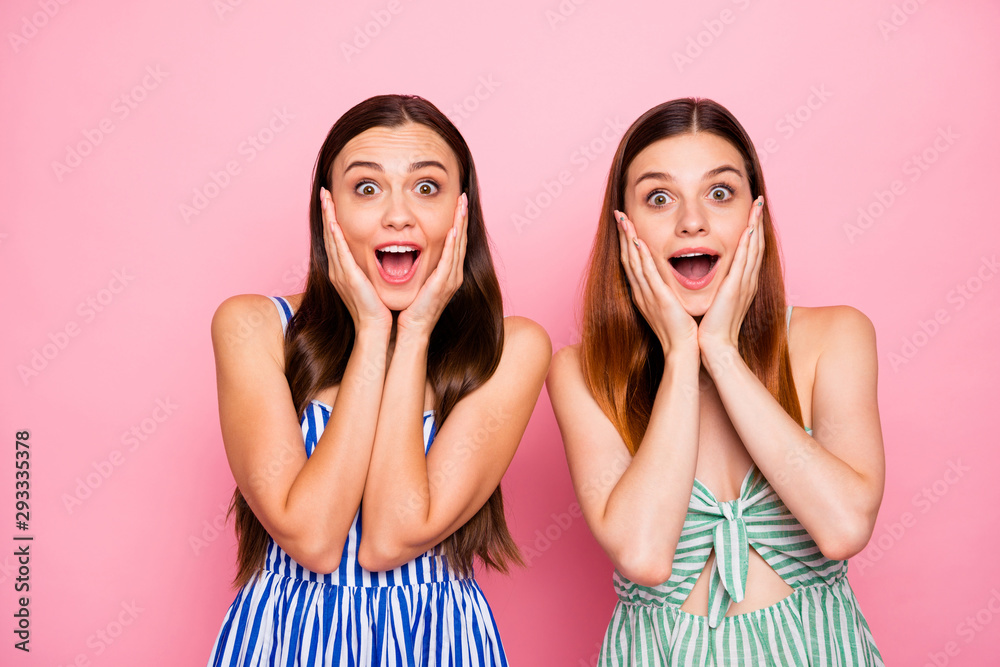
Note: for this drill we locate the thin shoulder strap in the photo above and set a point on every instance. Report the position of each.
(788, 319)
(284, 310)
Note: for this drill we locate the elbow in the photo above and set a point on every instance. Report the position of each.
(319, 556)
(847, 538)
(645, 567)
(320, 561)
(379, 555)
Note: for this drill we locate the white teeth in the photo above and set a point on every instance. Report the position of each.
(398, 248)
(693, 254)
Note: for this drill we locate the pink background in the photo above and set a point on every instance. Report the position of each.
(536, 92)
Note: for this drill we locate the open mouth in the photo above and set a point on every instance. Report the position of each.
(397, 262)
(694, 270)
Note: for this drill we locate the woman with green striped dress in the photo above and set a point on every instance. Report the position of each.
(686, 410)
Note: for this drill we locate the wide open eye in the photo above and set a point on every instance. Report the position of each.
(658, 198)
(367, 188)
(720, 193)
(427, 187)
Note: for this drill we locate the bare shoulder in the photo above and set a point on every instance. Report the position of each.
(526, 341)
(566, 371)
(818, 328)
(247, 322)
(567, 359)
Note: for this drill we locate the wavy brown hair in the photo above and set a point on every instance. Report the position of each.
(622, 357)
(464, 350)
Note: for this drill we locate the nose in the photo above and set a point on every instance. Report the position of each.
(692, 220)
(398, 214)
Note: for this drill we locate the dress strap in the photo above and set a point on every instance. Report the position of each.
(788, 319)
(284, 310)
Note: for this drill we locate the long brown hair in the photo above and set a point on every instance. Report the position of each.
(464, 350)
(622, 357)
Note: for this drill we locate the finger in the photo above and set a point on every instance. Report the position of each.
(623, 247)
(445, 264)
(329, 237)
(630, 247)
(753, 245)
(639, 267)
(627, 263)
(461, 240)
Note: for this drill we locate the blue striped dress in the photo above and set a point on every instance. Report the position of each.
(421, 613)
(819, 623)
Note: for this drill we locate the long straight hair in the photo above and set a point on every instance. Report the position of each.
(465, 345)
(622, 358)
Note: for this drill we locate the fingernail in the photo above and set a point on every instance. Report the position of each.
(636, 242)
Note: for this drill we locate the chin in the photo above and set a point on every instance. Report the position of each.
(697, 304)
(397, 299)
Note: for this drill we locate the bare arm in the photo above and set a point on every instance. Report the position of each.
(413, 502)
(306, 504)
(832, 481)
(635, 507)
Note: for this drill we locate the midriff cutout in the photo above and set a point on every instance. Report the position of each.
(764, 588)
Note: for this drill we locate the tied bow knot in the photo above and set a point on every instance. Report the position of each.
(728, 578)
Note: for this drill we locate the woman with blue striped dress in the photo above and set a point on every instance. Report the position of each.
(684, 415)
(368, 421)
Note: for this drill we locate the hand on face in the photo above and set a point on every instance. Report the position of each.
(720, 326)
(657, 302)
(421, 315)
(357, 292)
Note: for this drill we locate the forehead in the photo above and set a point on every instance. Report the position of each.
(686, 155)
(396, 148)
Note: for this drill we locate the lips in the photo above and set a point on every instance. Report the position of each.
(397, 262)
(694, 268)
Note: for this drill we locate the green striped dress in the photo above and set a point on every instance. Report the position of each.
(819, 623)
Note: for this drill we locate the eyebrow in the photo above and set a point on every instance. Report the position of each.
(413, 167)
(662, 176)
